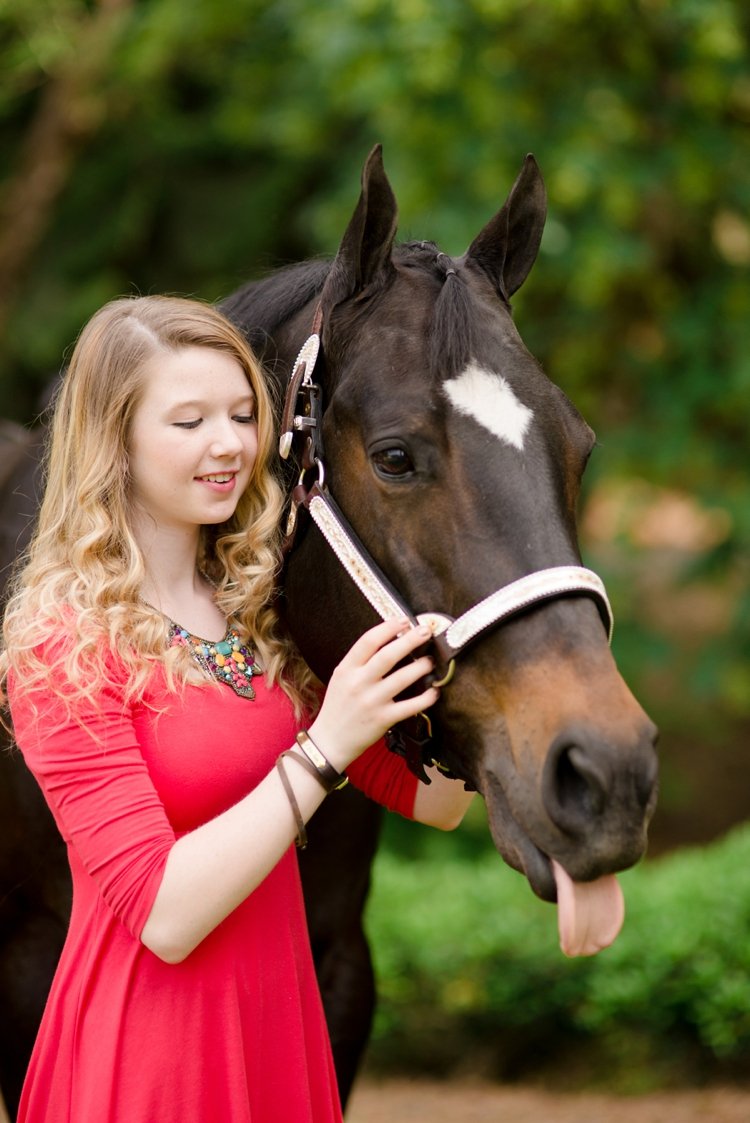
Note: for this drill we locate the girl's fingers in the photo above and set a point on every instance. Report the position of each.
(358, 708)
(359, 703)
(390, 654)
(371, 641)
(393, 640)
(408, 707)
(404, 677)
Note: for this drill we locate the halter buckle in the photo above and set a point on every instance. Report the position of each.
(301, 377)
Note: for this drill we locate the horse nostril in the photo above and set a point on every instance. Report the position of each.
(575, 788)
(578, 782)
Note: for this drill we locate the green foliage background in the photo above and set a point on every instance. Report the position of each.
(472, 981)
(196, 145)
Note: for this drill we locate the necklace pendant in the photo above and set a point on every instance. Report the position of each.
(244, 690)
(229, 660)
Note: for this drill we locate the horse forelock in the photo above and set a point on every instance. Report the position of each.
(453, 324)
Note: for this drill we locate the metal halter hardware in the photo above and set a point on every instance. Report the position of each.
(450, 636)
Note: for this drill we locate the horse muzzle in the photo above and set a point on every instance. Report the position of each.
(591, 820)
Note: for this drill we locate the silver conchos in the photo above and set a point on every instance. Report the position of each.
(300, 374)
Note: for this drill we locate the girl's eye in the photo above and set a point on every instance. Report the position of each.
(241, 418)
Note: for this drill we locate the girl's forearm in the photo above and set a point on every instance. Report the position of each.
(211, 870)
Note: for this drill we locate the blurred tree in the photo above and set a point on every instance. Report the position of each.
(67, 112)
(163, 146)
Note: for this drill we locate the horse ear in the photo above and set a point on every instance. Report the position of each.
(365, 250)
(507, 247)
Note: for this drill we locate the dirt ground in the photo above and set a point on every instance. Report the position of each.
(396, 1101)
(399, 1101)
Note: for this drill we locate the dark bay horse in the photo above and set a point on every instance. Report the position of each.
(456, 464)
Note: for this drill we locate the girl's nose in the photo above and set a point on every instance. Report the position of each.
(226, 440)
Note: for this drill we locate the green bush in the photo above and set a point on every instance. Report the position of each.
(471, 978)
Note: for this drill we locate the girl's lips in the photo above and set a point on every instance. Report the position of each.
(219, 481)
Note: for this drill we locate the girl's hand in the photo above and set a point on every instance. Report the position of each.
(359, 704)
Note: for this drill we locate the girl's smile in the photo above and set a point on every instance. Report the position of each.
(222, 482)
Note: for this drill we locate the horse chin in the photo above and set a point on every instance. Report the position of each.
(515, 846)
(538, 872)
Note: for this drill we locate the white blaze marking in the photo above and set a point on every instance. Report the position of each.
(487, 397)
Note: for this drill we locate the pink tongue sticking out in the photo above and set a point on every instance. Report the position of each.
(589, 914)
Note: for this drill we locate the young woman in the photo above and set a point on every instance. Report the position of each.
(160, 706)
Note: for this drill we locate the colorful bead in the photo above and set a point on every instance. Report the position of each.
(229, 661)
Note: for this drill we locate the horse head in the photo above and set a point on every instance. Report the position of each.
(458, 463)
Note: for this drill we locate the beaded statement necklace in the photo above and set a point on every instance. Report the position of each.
(229, 661)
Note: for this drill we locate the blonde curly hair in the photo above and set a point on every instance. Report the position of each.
(75, 597)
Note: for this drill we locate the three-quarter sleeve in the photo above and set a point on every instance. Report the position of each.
(386, 778)
(96, 782)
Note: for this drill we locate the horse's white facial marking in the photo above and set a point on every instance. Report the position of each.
(487, 397)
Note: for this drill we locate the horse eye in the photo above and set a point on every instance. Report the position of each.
(391, 462)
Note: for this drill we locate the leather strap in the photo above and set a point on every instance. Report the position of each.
(318, 765)
(301, 839)
(369, 579)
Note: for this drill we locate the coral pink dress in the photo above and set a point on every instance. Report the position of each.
(235, 1033)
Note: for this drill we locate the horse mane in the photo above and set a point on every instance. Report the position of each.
(261, 307)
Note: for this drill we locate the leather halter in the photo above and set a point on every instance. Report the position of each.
(303, 415)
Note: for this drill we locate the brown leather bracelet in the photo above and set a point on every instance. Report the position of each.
(301, 839)
(327, 775)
